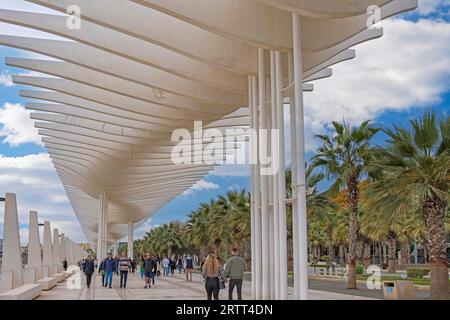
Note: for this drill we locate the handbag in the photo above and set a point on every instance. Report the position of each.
(222, 283)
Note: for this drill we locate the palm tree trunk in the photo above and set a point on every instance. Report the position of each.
(353, 200)
(367, 255)
(341, 255)
(392, 254)
(380, 254)
(434, 211)
(404, 252)
(330, 248)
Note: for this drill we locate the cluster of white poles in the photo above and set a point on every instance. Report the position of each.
(102, 247)
(268, 207)
(43, 261)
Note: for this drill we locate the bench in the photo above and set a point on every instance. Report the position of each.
(60, 276)
(25, 292)
(48, 283)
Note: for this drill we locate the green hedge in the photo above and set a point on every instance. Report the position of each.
(417, 273)
(359, 269)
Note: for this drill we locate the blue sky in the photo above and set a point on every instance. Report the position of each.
(390, 81)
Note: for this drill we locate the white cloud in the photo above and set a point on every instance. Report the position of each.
(406, 68)
(37, 187)
(16, 126)
(201, 185)
(6, 78)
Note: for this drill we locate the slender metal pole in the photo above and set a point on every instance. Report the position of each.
(275, 188)
(293, 136)
(301, 179)
(264, 181)
(258, 239)
(252, 186)
(282, 240)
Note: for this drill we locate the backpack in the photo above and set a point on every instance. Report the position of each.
(189, 264)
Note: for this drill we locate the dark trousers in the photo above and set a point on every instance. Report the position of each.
(88, 280)
(123, 278)
(212, 288)
(103, 280)
(238, 284)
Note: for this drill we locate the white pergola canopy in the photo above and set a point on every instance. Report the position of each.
(138, 69)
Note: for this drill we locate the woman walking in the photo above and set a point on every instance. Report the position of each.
(213, 275)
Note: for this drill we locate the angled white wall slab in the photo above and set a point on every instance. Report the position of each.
(34, 245)
(12, 257)
(47, 249)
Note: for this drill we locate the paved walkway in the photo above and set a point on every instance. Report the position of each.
(167, 288)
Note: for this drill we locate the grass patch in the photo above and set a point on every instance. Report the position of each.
(422, 282)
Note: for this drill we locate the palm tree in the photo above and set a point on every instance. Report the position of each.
(344, 155)
(415, 169)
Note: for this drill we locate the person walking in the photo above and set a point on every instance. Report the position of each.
(64, 264)
(124, 267)
(165, 264)
(213, 275)
(141, 268)
(172, 264)
(234, 269)
(110, 267)
(189, 267)
(179, 264)
(101, 270)
(148, 270)
(89, 268)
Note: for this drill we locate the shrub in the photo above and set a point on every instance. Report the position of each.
(359, 269)
(324, 258)
(417, 273)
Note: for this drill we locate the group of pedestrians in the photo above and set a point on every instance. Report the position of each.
(120, 266)
(215, 276)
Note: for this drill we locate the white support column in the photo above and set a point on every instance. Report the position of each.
(12, 258)
(257, 195)
(263, 179)
(116, 248)
(281, 184)
(275, 258)
(34, 246)
(102, 243)
(56, 251)
(301, 179)
(47, 250)
(130, 240)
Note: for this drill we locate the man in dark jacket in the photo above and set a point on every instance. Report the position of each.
(148, 270)
(89, 270)
(110, 267)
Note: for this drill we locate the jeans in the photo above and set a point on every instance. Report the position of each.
(238, 284)
(88, 280)
(108, 279)
(153, 277)
(166, 271)
(142, 274)
(212, 288)
(123, 278)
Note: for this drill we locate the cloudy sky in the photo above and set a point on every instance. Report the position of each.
(391, 80)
